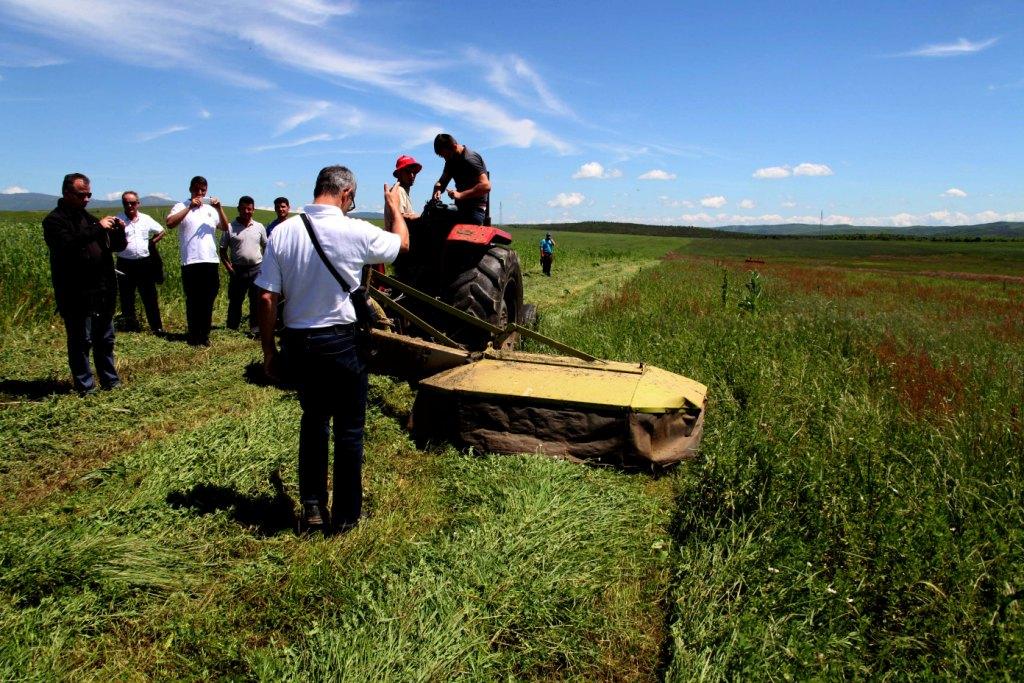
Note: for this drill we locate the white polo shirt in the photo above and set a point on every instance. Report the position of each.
(138, 233)
(292, 267)
(197, 234)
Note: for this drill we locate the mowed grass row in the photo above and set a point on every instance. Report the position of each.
(147, 532)
(860, 508)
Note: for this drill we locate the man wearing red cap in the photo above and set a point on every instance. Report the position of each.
(405, 172)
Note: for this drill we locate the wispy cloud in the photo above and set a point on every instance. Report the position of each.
(14, 189)
(514, 78)
(565, 200)
(657, 174)
(204, 113)
(960, 47)
(146, 137)
(321, 137)
(311, 111)
(747, 204)
(15, 55)
(594, 170)
(954, 192)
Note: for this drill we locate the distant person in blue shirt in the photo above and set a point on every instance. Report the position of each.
(547, 253)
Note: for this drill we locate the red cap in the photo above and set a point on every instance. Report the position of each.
(406, 161)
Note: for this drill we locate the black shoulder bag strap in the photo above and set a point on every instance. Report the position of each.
(365, 317)
(323, 256)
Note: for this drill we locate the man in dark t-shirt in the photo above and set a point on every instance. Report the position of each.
(467, 169)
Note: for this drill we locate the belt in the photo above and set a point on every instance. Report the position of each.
(306, 331)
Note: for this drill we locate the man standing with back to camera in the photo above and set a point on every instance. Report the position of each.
(82, 270)
(200, 263)
(472, 185)
(319, 341)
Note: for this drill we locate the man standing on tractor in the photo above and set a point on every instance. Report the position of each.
(472, 184)
(547, 253)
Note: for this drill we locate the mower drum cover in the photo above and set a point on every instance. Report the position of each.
(602, 412)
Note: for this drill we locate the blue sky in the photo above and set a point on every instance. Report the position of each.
(666, 112)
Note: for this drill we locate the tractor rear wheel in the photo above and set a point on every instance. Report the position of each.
(492, 291)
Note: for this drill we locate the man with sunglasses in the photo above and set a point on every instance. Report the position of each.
(136, 265)
(82, 269)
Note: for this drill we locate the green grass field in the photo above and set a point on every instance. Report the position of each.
(858, 511)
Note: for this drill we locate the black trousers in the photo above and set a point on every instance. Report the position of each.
(90, 332)
(241, 286)
(138, 274)
(201, 282)
(333, 384)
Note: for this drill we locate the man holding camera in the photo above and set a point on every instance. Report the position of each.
(200, 263)
(320, 341)
(136, 265)
(82, 269)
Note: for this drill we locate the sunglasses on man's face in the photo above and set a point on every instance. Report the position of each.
(83, 195)
(135, 203)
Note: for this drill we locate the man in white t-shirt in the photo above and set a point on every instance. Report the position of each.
(200, 263)
(136, 265)
(319, 340)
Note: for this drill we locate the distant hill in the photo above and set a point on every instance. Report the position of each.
(602, 227)
(999, 229)
(36, 201)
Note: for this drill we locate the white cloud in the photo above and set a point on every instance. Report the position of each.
(14, 189)
(112, 195)
(564, 200)
(812, 169)
(772, 172)
(280, 183)
(160, 195)
(593, 169)
(954, 192)
(788, 205)
(960, 47)
(657, 174)
(204, 113)
(747, 204)
(146, 137)
(715, 202)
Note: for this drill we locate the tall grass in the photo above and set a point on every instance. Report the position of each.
(857, 512)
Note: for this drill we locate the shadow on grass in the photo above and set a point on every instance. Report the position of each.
(254, 374)
(267, 515)
(33, 389)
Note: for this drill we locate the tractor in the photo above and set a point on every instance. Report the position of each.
(470, 267)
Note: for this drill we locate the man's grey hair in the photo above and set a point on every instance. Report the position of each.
(69, 181)
(333, 180)
(128, 192)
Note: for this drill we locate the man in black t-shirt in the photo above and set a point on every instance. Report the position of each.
(467, 169)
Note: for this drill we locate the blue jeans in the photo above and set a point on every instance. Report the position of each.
(332, 381)
(95, 332)
(472, 215)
